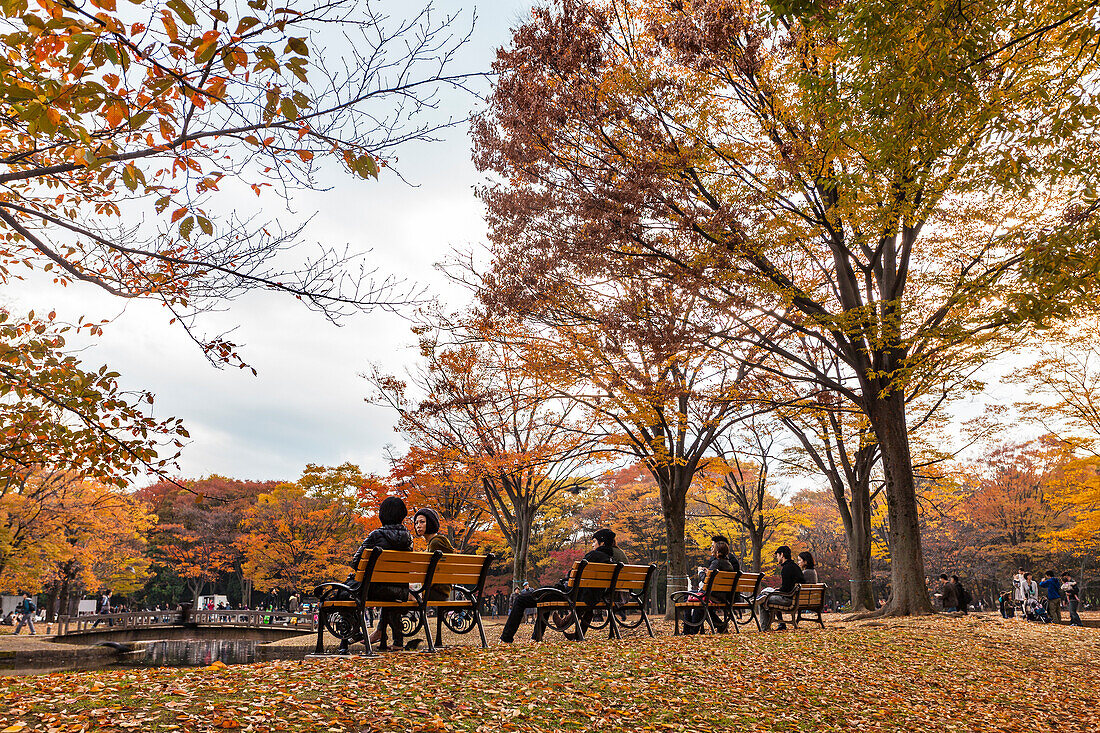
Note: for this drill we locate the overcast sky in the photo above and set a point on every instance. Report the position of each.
(306, 405)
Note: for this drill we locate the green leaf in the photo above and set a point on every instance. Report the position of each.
(182, 10)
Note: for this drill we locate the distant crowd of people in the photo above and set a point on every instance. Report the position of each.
(1042, 600)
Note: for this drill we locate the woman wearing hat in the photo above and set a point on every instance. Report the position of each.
(426, 525)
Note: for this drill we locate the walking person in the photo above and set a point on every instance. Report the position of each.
(949, 597)
(27, 609)
(1053, 591)
(1073, 598)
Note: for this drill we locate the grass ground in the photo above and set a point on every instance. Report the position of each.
(974, 673)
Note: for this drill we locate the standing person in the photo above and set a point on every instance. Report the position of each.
(104, 608)
(806, 564)
(392, 535)
(948, 594)
(962, 595)
(1031, 589)
(1073, 598)
(26, 610)
(294, 604)
(601, 552)
(1019, 589)
(1053, 590)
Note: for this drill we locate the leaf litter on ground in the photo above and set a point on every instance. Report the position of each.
(951, 674)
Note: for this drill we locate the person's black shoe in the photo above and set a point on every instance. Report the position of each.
(412, 644)
(507, 638)
(781, 626)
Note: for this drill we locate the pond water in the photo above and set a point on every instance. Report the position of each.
(190, 653)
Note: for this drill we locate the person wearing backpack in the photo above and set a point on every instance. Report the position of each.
(962, 595)
(27, 609)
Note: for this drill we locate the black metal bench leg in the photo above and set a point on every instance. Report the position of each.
(427, 628)
(675, 621)
(577, 621)
(614, 633)
(439, 628)
(645, 617)
(321, 616)
(480, 629)
(540, 625)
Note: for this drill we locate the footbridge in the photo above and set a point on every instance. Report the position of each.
(147, 625)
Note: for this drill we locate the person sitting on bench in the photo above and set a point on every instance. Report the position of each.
(392, 535)
(790, 576)
(719, 560)
(603, 541)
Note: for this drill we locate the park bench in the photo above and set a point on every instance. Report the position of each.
(809, 598)
(715, 598)
(623, 589)
(342, 610)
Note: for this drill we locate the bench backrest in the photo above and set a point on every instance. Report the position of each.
(635, 578)
(399, 567)
(811, 595)
(593, 575)
(363, 566)
(748, 584)
(720, 581)
(467, 570)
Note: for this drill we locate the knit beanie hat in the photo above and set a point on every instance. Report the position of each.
(604, 536)
(431, 519)
(392, 511)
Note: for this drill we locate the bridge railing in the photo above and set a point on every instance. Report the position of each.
(228, 617)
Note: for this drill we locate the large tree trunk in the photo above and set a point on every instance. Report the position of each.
(673, 503)
(521, 547)
(756, 536)
(908, 592)
(859, 550)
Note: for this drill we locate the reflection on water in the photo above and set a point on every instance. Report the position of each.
(191, 652)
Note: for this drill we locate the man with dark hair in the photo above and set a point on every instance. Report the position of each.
(781, 599)
(603, 543)
(1053, 590)
(962, 595)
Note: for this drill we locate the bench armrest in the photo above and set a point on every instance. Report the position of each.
(679, 595)
(552, 591)
(324, 590)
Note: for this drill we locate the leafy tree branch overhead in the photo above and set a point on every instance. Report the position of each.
(122, 124)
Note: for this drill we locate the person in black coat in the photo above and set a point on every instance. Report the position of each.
(604, 541)
(790, 577)
(392, 535)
